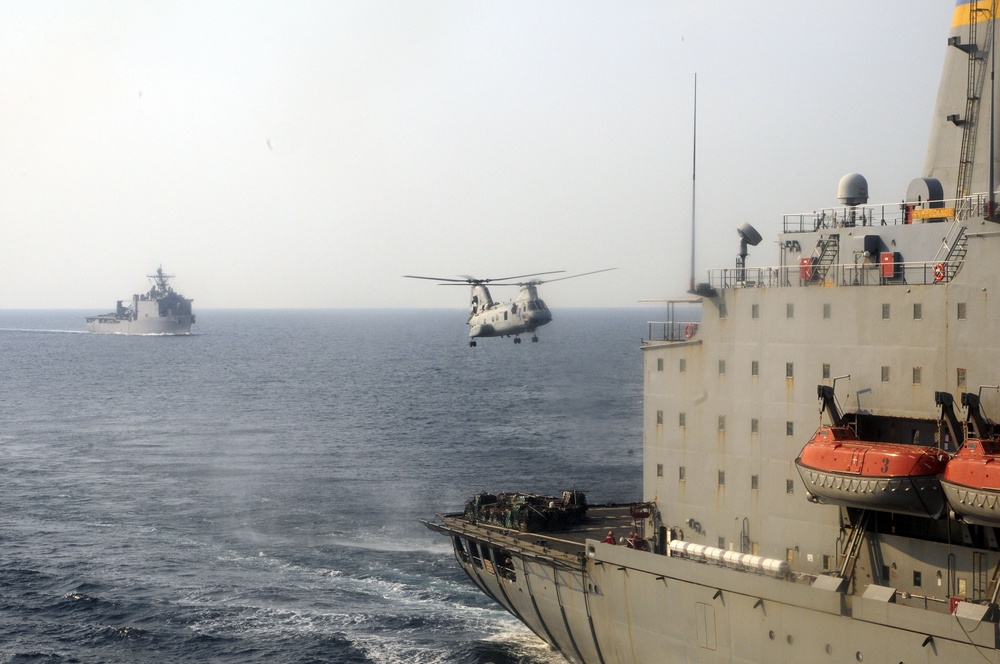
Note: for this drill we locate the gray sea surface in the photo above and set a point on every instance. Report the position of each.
(251, 492)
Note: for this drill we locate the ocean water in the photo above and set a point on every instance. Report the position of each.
(251, 493)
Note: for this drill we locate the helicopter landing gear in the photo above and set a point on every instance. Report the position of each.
(517, 340)
(472, 344)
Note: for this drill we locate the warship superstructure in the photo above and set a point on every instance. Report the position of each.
(159, 311)
(798, 504)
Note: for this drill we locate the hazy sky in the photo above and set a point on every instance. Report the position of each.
(308, 154)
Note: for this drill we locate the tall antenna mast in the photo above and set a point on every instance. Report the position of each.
(991, 209)
(694, 172)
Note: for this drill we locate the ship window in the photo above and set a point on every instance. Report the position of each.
(682, 420)
(722, 542)
(790, 555)
(789, 428)
(789, 310)
(789, 486)
(826, 565)
(885, 374)
(684, 365)
(826, 311)
(755, 311)
(826, 371)
(722, 478)
(474, 551)
(659, 364)
(960, 377)
(755, 482)
(962, 587)
(722, 367)
(885, 572)
(789, 370)
(659, 417)
(755, 368)
(917, 371)
(755, 425)
(961, 311)
(916, 579)
(722, 422)
(659, 470)
(918, 311)
(681, 473)
(885, 312)
(460, 548)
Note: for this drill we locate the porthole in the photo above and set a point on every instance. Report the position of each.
(770, 635)
(829, 649)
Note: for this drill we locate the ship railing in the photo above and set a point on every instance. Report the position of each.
(850, 274)
(671, 330)
(886, 214)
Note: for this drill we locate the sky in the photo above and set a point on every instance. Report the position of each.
(308, 154)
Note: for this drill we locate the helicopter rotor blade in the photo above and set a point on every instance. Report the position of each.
(463, 281)
(470, 280)
(537, 282)
(582, 274)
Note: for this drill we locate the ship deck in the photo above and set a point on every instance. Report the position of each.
(565, 545)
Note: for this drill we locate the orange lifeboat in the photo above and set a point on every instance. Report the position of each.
(971, 482)
(838, 468)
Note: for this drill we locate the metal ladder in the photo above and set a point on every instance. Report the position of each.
(824, 257)
(952, 252)
(974, 91)
(853, 546)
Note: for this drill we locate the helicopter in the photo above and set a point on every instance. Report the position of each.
(524, 314)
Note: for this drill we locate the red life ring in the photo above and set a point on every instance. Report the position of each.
(688, 331)
(939, 272)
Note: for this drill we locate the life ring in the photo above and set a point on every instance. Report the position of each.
(688, 331)
(939, 272)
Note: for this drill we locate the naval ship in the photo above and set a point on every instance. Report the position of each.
(160, 311)
(821, 461)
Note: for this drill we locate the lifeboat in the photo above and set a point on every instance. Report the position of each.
(971, 482)
(839, 469)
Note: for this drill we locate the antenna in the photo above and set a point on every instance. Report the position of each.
(991, 206)
(694, 172)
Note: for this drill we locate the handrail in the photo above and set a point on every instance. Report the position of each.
(886, 214)
(844, 274)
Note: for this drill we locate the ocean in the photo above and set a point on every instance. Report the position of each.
(252, 492)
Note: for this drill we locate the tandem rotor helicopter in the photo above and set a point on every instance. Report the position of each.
(526, 313)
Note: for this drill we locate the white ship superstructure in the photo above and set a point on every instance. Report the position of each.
(796, 434)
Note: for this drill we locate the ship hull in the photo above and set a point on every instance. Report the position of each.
(166, 326)
(619, 605)
(919, 495)
(979, 506)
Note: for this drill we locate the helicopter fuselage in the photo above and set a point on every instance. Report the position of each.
(524, 314)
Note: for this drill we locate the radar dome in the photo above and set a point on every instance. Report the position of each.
(853, 189)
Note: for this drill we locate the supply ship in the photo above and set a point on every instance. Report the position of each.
(160, 311)
(821, 463)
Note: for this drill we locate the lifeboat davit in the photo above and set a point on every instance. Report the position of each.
(838, 468)
(971, 482)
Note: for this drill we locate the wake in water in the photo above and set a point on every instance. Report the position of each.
(253, 494)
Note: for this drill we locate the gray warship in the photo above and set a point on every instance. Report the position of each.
(820, 448)
(160, 311)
